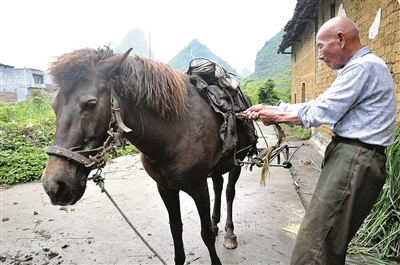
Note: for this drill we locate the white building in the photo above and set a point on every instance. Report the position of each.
(15, 83)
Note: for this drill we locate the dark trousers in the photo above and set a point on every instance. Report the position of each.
(349, 184)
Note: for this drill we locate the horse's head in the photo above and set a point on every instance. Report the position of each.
(83, 114)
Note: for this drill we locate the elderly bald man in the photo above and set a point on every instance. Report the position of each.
(360, 108)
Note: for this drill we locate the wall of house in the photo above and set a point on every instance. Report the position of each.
(19, 80)
(8, 96)
(303, 60)
(385, 43)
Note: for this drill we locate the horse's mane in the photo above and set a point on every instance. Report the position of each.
(154, 84)
(150, 84)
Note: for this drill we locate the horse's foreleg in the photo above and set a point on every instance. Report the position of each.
(202, 199)
(218, 182)
(230, 241)
(171, 201)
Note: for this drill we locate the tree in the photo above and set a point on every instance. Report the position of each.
(250, 88)
(267, 93)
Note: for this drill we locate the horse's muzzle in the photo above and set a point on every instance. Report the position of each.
(64, 183)
(59, 193)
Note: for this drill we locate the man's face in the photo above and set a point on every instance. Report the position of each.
(330, 50)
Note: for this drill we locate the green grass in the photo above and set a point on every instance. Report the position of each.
(379, 235)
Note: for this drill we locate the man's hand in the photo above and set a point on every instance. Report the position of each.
(266, 114)
(270, 115)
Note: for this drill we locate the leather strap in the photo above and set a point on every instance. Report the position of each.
(72, 155)
(116, 112)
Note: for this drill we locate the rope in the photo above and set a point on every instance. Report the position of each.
(99, 180)
(267, 152)
(281, 137)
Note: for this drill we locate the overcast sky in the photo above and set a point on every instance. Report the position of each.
(33, 32)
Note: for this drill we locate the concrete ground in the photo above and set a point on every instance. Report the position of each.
(93, 232)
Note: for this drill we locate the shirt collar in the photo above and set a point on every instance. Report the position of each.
(361, 52)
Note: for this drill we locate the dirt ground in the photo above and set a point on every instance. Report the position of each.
(93, 232)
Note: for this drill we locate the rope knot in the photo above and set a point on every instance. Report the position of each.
(99, 180)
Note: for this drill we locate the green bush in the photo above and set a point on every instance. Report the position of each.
(27, 128)
(21, 159)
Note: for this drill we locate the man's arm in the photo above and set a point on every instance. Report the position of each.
(271, 115)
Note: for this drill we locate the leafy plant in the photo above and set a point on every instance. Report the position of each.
(380, 232)
(267, 92)
(296, 132)
(261, 91)
(26, 129)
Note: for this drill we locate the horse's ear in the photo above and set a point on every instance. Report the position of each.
(112, 65)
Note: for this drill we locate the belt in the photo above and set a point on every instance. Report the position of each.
(377, 148)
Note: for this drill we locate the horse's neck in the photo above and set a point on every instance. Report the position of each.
(155, 136)
(150, 133)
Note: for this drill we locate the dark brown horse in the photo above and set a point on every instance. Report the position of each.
(175, 129)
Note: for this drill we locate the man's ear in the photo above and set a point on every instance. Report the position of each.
(341, 37)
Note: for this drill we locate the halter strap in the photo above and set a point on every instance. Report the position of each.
(77, 156)
(116, 113)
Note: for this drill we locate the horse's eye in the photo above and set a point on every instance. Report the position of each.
(89, 105)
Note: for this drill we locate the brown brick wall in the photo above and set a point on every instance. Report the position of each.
(303, 77)
(8, 96)
(387, 43)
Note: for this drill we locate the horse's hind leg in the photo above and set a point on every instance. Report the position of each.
(201, 198)
(230, 241)
(171, 201)
(218, 182)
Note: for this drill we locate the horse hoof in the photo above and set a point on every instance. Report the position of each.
(230, 243)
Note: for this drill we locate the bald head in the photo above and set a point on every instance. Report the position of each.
(340, 24)
(338, 40)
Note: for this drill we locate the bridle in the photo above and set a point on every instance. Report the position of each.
(95, 158)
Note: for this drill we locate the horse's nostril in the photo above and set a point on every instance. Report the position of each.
(60, 189)
(51, 188)
(56, 190)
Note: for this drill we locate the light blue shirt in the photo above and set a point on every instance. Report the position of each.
(360, 104)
